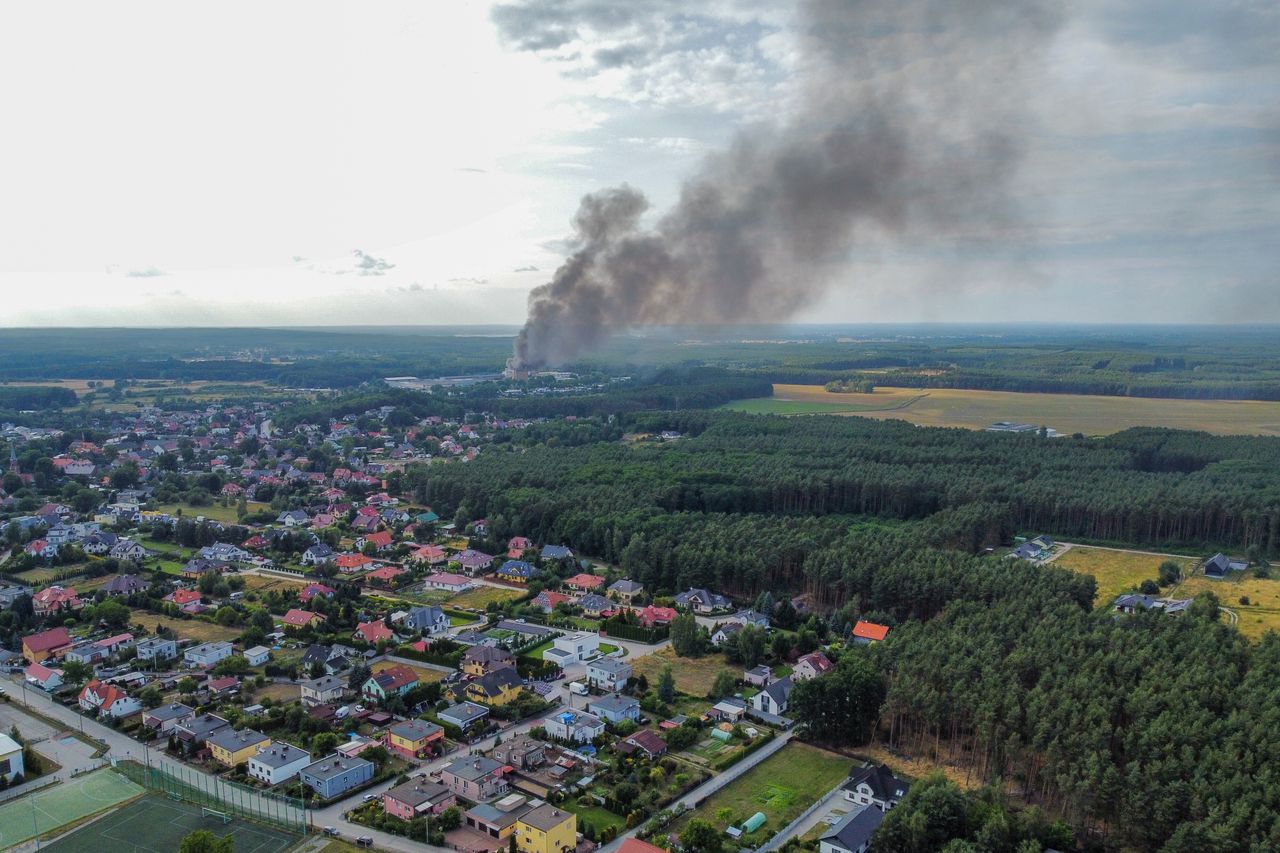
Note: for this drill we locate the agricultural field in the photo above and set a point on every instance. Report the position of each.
(425, 675)
(480, 596)
(194, 629)
(692, 675)
(1116, 571)
(782, 786)
(1067, 413)
(215, 511)
(1260, 615)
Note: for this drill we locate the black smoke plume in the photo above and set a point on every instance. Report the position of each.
(909, 122)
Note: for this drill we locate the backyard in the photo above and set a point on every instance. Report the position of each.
(480, 597)
(425, 675)
(692, 675)
(782, 786)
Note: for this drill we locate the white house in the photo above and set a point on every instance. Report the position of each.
(573, 648)
(108, 699)
(773, 698)
(317, 555)
(574, 726)
(875, 785)
(127, 549)
(429, 620)
(608, 674)
(811, 665)
(10, 758)
(207, 654)
(278, 762)
(257, 655)
(322, 690)
(157, 648)
(853, 833)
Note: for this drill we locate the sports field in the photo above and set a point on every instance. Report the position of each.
(62, 804)
(154, 824)
(1090, 414)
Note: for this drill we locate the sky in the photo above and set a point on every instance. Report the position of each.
(316, 163)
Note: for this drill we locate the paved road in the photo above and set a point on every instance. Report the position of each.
(55, 743)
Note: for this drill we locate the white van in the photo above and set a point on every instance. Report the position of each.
(577, 688)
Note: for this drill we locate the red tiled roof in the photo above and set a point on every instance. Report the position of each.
(352, 561)
(870, 630)
(300, 618)
(183, 596)
(54, 638)
(374, 631)
(585, 581)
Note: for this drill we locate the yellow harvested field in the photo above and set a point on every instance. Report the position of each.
(1067, 413)
(425, 675)
(1116, 571)
(480, 596)
(693, 675)
(192, 629)
(1260, 615)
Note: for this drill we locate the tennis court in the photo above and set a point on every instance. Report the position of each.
(155, 824)
(61, 804)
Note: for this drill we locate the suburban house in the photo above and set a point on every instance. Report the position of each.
(464, 715)
(232, 748)
(257, 656)
(373, 633)
(278, 762)
(548, 600)
(447, 581)
(379, 541)
(474, 562)
(429, 620)
(497, 820)
(164, 718)
(865, 633)
(517, 545)
(478, 660)
(728, 709)
(393, 681)
(521, 752)
(1219, 565)
(195, 731)
(317, 555)
(655, 617)
(645, 741)
(311, 590)
(336, 774)
(615, 708)
(574, 726)
(350, 563)
(46, 644)
(475, 777)
(432, 555)
(547, 829)
(55, 599)
(417, 797)
(412, 739)
(206, 655)
(187, 600)
(772, 699)
(322, 690)
(556, 553)
(853, 833)
(759, 675)
(107, 699)
(875, 785)
(573, 648)
(157, 648)
(11, 764)
(751, 617)
(124, 585)
(296, 618)
(585, 582)
(1135, 602)
(722, 633)
(608, 674)
(126, 549)
(594, 605)
(702, 601)
(625, 590)
(497, 687)
(44, 677)
(811, 666)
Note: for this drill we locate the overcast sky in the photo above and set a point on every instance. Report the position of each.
(399, 163)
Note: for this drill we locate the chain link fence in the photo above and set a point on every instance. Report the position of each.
(192, 786)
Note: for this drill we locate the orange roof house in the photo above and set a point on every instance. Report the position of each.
(42, 646)
(352, 562)
(372, 632)
(584, 581)
(869, 632)
(296, 618)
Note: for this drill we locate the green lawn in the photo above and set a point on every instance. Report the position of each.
(782, 786)
(225, 514)
(536, 651)
(598, 816)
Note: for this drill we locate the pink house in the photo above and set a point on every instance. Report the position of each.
(417, 797)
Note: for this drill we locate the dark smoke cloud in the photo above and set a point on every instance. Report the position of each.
(910, 123)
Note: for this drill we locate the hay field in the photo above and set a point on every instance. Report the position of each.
(1090, 414)
(1116, 571)
(692, 675)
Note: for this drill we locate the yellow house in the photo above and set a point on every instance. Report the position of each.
(231, 747)
(494, 688)
(547, 829)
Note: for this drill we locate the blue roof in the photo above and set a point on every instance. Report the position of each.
(517, 567)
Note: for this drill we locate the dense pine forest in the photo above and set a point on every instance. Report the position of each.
(1144, 733)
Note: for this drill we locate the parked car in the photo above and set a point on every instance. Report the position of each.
(331, 831)
(364, 841)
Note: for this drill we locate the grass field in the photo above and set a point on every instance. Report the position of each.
(1254, 619)
(260, 583)
(225, 514)
(63, 804)
(1068, 413)
(194, 629)
(154, 824)
(480, 596)
(426, 676)
(598, 816)
(1115, 571)
(43, 574)
(278, 693)
(782, 786)
(692, 675)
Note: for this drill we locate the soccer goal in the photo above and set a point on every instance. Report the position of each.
(205, 811)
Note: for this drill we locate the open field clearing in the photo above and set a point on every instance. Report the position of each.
(278, 692)
(1260, 615)
(194, 629)
(262, 583)
(426, 676)
(1067, 413)
(782, 786)
(1116, 571)
(692, 675)
(224, 514)
(480, 596)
